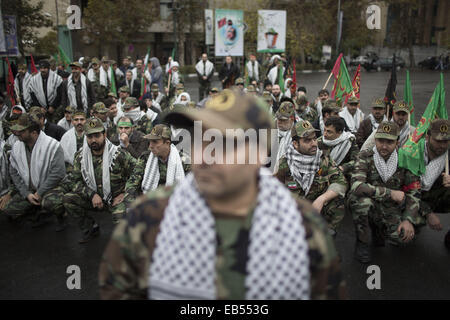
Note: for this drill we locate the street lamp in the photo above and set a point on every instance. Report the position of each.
(175, 8)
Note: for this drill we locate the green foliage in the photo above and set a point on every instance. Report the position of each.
(28, 17)
(48, 44)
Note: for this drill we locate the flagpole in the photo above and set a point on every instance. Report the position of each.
(409, 123)
(446, 163)
(328, 80)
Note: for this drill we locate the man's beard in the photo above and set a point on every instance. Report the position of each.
(96, 146)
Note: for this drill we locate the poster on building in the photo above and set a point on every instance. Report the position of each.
(209, 27)
(2, 34)
(271, 30)
(10, 31)
(229, 25)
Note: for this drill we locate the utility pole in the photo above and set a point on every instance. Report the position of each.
(175, 9)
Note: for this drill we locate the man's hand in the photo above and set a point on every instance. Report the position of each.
(4, 200)
(125, 140)
(446, 180)
(408, 230)
(397, 196)
(166, 90)
(434, 222)
(51, 110)
(97, 202)
(204, 78)
(318, 204)
(117, 200)
(33, 200)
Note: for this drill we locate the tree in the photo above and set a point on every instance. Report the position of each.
(48, 44)
(28, 17)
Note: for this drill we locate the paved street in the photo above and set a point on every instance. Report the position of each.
(33, 261)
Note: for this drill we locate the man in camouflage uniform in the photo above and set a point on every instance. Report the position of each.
(158, 100)
(127, 261)
(239, 83)
(329, 109)
(131, 109)
(128, 137)
(101, 91)
(383, 197)
(99, 110)
(312, 175)
(179, 89)
(95, 188)
(285, 120)
(72, 140)
(303, 110)
(160, 146)
(371, 123)
(435, 182)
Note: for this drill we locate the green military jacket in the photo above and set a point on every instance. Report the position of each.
(126, 261)
(121, 170)
(310, 116)
(328, 176)
(366, 182)
(349, 161)
(133, 187)
(100, 91)
(144, 125)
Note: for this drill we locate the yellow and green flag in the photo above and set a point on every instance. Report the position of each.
(342, 82)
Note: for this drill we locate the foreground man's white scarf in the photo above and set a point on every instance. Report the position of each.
(184, 261)
(353, 122)
(374, 122)
(386, 169)
(303, 168)
(255, 68)
(69, 145)
(433, 170)
(136, 114)
(72, 94)
(87, 167)
(53, 82)
(42, 155)
(25, 88)
(175, 171)
(340, 146)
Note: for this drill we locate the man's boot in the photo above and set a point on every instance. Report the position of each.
(377, 236)
(362, 252)
(90, 234)
(447, 240)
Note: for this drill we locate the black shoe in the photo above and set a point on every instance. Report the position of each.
(362, 252)
(90, 234)
(447, 240)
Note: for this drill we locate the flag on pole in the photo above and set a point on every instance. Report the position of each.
(342, 83)
(144, 79)
(411, 155)
(247, 78)
(63, 57)
(355, 84)
(390, 96)
(113, 81)
(280, 76)
(407, 97)
(33, 68)
(10, 84)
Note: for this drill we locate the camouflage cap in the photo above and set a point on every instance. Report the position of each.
(286, 111)
(93, 125)
(99, 107)
(105, 59)
(214, 90)
(130, 102)
(25, 121)
(440, 129)
(239, 81)
(230, 109)
(76, 64)
(251, 88)
(353, 100)
(401, 106)
(330, 103)
(387, 130)
(179, 86)
(378, 103)
(154, 88)
(95, 61)
(124, 89)
(69, 109)
(79, 113)
(303, 129)
(36, 110)
(160, 131)
(302, 100)
(112, 94)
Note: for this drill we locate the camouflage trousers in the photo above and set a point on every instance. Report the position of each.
(334, 212)
(80, 207)
(203, 89)
(382, 217)
(437, 200)
(18, 206)
(55, 198)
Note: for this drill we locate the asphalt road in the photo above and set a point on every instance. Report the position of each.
(33, 262)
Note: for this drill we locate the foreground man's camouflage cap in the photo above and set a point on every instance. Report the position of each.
(99, 107)
(160, 131)
(387, 130)
(124, 89)
(378, 103)
(353, 100)
(286, 111)
(93, 125)
(303, 129)
(400, 106)
(130, 102)
(228, 110)
(24, 122)
(154, 88)
(440, 129)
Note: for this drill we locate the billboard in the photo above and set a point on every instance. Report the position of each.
(209, 27)
(10, 30)
(271, 31)
(229, 25)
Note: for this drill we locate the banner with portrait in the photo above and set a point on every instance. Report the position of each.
(229, 25)
(271, 31)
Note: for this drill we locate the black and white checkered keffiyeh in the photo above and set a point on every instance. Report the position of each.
(433, 170)
(303, 168)
(386, 169)
(184, 260)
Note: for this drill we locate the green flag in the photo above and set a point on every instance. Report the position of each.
(342, 82)
(63, 57)
(407, 97)
(280, 77)
(143, 79)
(411, 155)
(113, 87)
(173, 54)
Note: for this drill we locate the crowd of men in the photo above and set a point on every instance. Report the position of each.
(71, 147)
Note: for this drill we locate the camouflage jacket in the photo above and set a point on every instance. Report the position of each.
(310, 116)
(133, 186)
(69, 167)
(122, 168)
(144, 125)
(101, 92)
(366, 182)
(126, 260)
(349, 160)
(328, 177)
